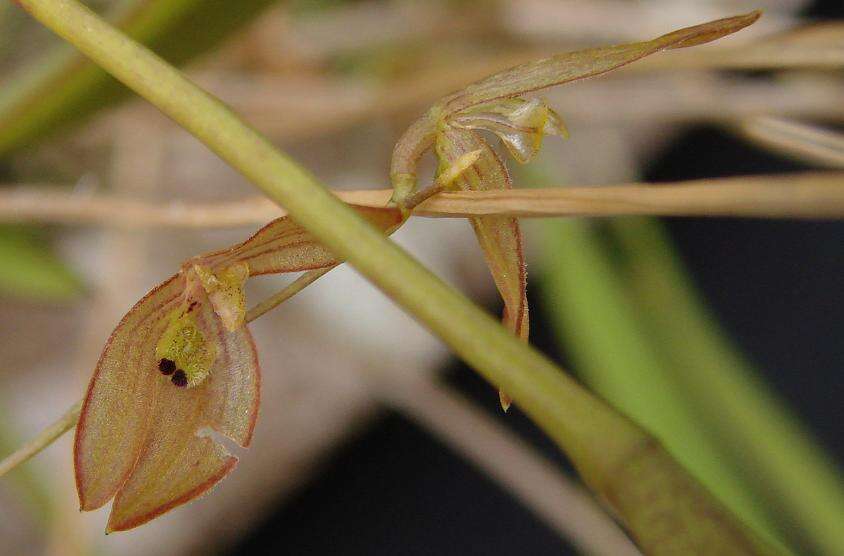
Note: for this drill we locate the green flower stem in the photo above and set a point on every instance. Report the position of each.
(286, 293)
(31, 489)
(42, 439)
(615, 457)
(779, 454)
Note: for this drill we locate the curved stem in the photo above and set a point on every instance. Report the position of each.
(42, 439)
(292, 289)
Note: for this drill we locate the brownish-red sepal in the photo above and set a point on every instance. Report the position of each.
(285, 246)
(182, 363)
(572, 66)
(500, 237)
(139, 433)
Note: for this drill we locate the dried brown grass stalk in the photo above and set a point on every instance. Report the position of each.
(797, 139)
(802, 195)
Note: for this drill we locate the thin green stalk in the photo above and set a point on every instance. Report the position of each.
(779, 454)
(42, 439)
(31, 490)
(283, 295)
(615, 457)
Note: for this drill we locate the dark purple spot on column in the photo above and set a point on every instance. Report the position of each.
(179, 378)
(166, 366)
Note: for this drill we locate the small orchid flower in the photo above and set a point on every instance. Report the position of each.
(496, 104)
(180, 363)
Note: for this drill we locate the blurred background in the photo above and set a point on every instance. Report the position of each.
(721, 336)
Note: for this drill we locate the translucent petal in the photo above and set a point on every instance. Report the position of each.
(500, 237)
(446, 178)
(520, 124)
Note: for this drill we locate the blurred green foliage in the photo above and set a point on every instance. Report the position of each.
(63, 87)
(641, 336)
(588, 305)
(778, 455)
(29, 270)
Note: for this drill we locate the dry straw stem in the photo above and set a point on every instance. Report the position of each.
(359, 28)
(42, 439)
(810, 195)
(348, 30)
(797, 139)
(802, 195)
(291, 109)
(296, 107)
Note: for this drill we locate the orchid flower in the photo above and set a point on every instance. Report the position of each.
(181, 364)
(496, 104)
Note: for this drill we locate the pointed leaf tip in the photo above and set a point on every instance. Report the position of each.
(505, 401)
(708, 32)
(571, 66)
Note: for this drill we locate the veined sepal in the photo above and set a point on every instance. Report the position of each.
(500, 237)
(137, 437)
(182, 361)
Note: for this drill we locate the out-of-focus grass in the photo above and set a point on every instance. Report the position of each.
(63, 87)
(641, 336)
(588, 305)
(26, 483)
(779, 456)
(29, 270)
